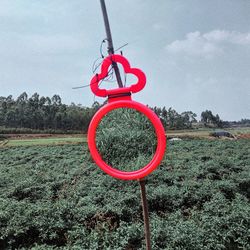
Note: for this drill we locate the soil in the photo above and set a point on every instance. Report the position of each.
(243, 136)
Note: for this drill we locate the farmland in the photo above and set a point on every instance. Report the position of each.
(45, 141)
(55, 197)
(61, 139)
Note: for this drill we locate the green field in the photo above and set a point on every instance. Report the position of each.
(45, 141)
(55, 197)
(76, 139)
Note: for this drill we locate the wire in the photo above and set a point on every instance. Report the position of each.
(81, 87)
(101, 47)
(122, 46)
(109, 76)
(96, 65)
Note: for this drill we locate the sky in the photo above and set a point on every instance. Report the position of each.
(195, 54)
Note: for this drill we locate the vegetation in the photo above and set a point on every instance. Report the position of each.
(39, 114)
(171, 119)
(43, 113)
(126, 134)
(56, 198)
(45, 141)
(4, 131)
(207, 118)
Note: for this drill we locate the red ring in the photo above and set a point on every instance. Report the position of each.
(160, 134)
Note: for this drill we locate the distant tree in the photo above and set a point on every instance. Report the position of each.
(21, 110)
(245, 121)
(42, 101)
(3, 110)
(188, 118)
(33, 101)
(96, 105)
(207, 118)
(56, 100)
(22, 99)
(10, 118)
(174, 120)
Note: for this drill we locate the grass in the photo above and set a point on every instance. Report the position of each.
(204, 133)
(237, 131)
(46, 141)
(189, 133)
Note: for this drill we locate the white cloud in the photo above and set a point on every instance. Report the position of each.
(228, 36)
(208, 44)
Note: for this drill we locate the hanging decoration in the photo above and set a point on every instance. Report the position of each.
(122, 98)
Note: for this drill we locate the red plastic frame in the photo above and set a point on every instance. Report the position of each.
(121, 98)
(160, 134)
(94, 84)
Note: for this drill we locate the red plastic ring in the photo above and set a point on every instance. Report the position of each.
(160, 134)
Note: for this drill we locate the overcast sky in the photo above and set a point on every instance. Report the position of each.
(195, 54)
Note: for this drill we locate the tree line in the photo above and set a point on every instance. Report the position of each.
(44, 113)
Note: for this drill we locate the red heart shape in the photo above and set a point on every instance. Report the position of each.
(136, 87)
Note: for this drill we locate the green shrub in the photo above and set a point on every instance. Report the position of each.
(54, 197)
(125, 136)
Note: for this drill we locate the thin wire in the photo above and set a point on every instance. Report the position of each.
(81, 87)
(99, 84)
(101, 49)
(109, 76)
(106, 79)
(122, 46)
(95, 66)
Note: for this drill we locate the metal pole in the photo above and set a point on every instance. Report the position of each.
(145, 213)
(110, 42)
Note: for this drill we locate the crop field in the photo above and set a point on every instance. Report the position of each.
(32, 140)
(45, 141)
(55, 197)
(61, 139)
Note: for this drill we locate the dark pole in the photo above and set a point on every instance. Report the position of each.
(145, 213)
(110, 42)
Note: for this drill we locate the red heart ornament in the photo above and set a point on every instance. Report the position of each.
(136, 87)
